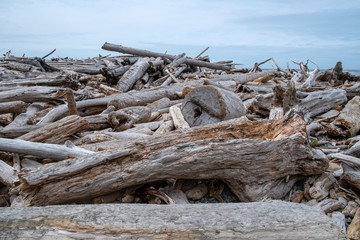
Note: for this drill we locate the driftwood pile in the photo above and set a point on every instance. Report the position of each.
(156, 128)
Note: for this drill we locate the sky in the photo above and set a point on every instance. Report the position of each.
(245, 31)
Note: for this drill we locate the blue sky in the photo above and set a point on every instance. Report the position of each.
(245, 31)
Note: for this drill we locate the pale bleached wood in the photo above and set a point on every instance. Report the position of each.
(22, 119)
(311, 80)
(241, 78)
(251, 221)
(31, 94)
(220, 151)
(61, 110)
(52, 151)
(178, 118)
(58, 131)
(8, 174)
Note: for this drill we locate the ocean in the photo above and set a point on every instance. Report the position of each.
(355, 72)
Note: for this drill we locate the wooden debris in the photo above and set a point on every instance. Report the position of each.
(273, 219)
(150, 127)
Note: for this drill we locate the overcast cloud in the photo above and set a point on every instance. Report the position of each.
(244, 31)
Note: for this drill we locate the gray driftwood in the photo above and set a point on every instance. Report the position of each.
(13, 107)
(277, 147)
(45, 150)
(347, 124)
(209, 104)
(262, 220)
(135, 72)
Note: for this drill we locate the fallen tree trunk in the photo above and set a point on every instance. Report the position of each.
(30, 94)
(270, 220)
(145, 53)
(246, 152)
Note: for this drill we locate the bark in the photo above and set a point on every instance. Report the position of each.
(13, 107)
(145, 53)
(184, 154)
(209, 104)
(57, 132)
(272, 219)
(321, 187)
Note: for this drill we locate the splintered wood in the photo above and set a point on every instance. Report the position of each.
(159, 128)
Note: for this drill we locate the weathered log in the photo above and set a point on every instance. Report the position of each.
(321, 187)
(353, 231)
(139, 98)
(321, 101)
(124, 118)
(135, 72)
(209, 104)
(58, 131)
(30, 94)
(241, 78)
(270, 220)
(351, 209)
(22, 119)
(347, 124)
(278, 147)
(62, 110)
(354, 150)
(53, 151)
(311, 80)
(13, 107)
(50, 79)
(351, 175)
(8, 174)
(145, 53)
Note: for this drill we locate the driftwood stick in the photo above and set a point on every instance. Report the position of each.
(53, 151)
(71, 102)
(273, 219)
(145, 53)
(49, 54)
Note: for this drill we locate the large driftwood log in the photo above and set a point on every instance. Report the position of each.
(145, 53)
(209, 104)
(242, 152)
(261, 220)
